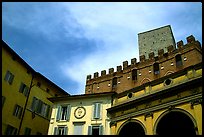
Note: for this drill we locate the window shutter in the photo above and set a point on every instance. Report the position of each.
(20, 112)
(34, 104)
(97, 108)
(39, 106)
(100, 129)
(11, 79)
(26, 89)
(6, 76)
(65, 131)
(89, 130)
(21, 87)
(68, 112)
(48, 111)
(58, 113)
(15, 109)
(55, 131)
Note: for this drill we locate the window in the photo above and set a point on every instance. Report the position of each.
(95, 130)
(78, 128)
(156, 68)
(23, 89)
(178, 60)
(3, 100)
(114, 81)
(40, 107)
(97, 111)
(60, 131)
(134, 74)
(9, 77)
(10, 130)
(17, 111)
(27, 131)
(63, 113)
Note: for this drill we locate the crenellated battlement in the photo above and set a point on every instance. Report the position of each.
(162, 55)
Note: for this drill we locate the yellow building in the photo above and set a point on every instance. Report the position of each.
(159, 95)
(25, 107)
(167, 106)
(84, 114)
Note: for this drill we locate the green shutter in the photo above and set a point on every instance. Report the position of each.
(39, 106)
(26, 90)
(100, 130)
(20, 112)
(21, 88)
(58, 113)
(68, 112)
(97, 108)
(34, 104)
(47, 111)
(55, 131)
(7, 76)
(11, 79)
(89, 130)
(65, 131)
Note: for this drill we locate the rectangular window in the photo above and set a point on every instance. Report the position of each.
(95, 130)
(10, 130)
(40, 107)
(24, 89)
(17, 111)
(156, 68)
(63, 113)
(60, 131)
(27, 131)
(97, 111)
(114, 82)
(9, 77)
(78, 128)
(134, 74)
(3, 100)
(178, 60)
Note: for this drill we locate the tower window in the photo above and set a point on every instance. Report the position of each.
(134, 74)
(178, 60)
(156, 68)
(114, 82)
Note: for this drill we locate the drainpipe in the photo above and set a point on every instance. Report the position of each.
(26, 104)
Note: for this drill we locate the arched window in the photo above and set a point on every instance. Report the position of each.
(178, 60)
(156, 68)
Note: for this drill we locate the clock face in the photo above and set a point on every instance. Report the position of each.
(80, 112)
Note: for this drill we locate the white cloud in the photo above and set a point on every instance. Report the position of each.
(117, 25)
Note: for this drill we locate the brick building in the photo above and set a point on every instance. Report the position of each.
(160, 94)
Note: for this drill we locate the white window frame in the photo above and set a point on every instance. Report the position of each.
(97, 111)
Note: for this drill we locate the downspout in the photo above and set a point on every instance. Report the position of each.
(26, 103)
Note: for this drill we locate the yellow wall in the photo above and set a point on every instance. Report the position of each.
(13, 96)
(194, 113)
(87, 103)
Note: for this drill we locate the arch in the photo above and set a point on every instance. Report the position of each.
(176, 110)
(168, 73)
(132, 122)
(145, 80)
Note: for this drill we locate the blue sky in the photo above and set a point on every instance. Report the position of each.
(66, 41)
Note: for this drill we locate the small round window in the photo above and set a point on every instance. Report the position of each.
(129, 95)
(168, 81)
